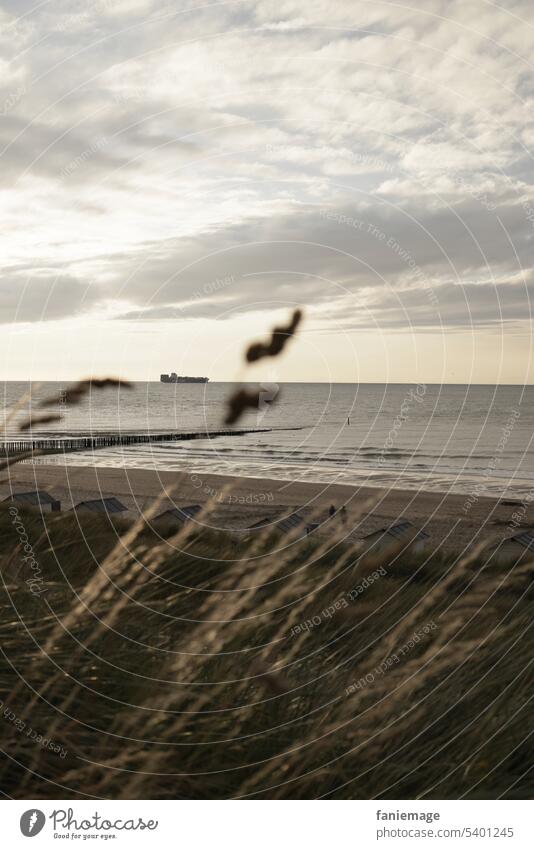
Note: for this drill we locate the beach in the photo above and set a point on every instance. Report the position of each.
(455, 521)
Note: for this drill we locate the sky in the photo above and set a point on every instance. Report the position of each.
(178, 177)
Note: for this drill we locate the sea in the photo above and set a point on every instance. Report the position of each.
(446, 438)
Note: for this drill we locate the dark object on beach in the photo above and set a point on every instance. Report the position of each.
(74, 394)
(332, 511)
(279, 337)
(36, 498)
(241, 400)
(291, 523)
(402, 536)
(102, 505)
(514, 550)
(287, 524)
(179, 514)
(36, 420)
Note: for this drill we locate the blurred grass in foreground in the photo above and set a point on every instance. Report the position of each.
(161, 671)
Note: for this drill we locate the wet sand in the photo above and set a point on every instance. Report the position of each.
(454, 521)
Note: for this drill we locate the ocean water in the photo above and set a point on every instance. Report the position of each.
(438, 437)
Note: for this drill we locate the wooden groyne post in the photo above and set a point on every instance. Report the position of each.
(57, 444)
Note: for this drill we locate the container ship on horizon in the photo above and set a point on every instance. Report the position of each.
(178, 378)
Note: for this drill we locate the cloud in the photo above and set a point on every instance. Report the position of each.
(451, 306)
(341, 156)
(313, 255)
(46, 298)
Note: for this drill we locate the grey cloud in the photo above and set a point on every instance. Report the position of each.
(44, 150)
(329, 83)
(448, 307)
(46, 298)
(171, 312)
(317, 253)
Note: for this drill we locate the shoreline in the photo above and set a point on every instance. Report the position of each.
(455, 521)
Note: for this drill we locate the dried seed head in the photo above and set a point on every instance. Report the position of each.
(279, 338)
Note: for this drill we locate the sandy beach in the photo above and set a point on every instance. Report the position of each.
(454, 521)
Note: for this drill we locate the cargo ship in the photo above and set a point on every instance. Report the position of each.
(178, 378)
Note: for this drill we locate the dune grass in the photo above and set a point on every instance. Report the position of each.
(204, 666)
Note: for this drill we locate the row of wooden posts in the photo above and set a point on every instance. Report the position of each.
(106, 440)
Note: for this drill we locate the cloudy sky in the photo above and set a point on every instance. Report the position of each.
(177, 176)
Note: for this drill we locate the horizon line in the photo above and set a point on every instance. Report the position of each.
(285, 382)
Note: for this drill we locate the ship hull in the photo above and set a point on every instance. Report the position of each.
(174, 378)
